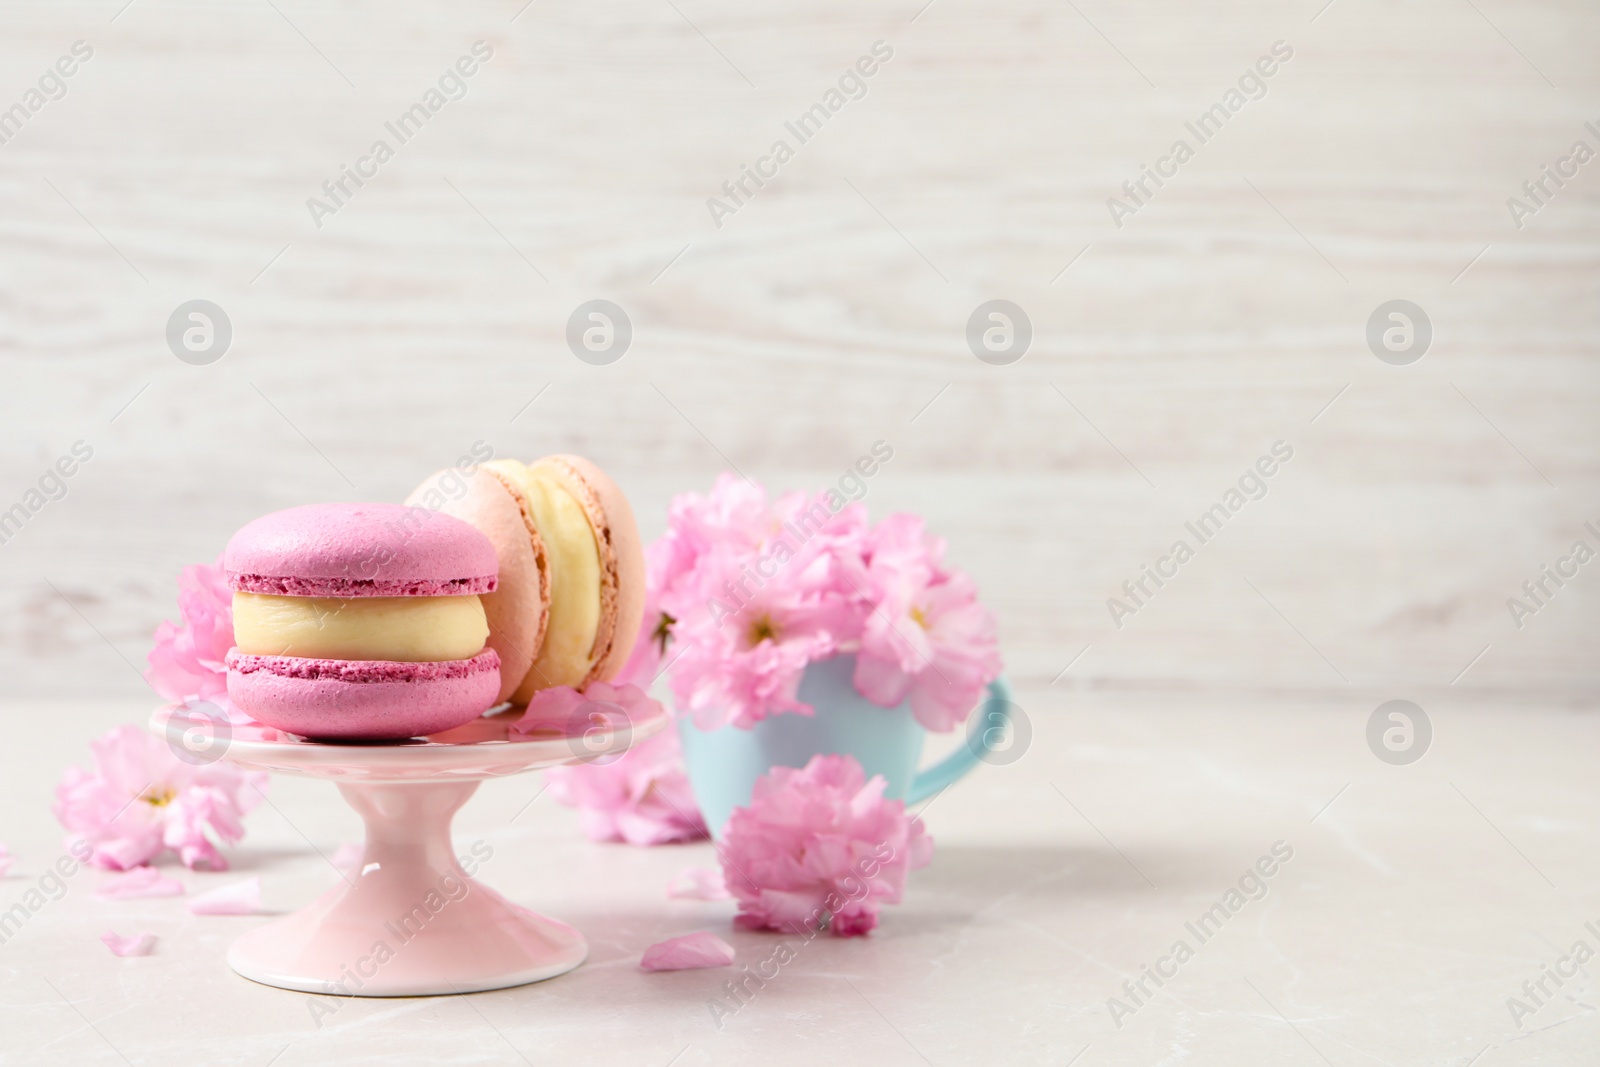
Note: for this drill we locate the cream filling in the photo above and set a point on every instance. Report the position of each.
(410, 629)
(568, 653)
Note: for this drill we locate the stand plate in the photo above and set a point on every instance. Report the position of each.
(410, 921)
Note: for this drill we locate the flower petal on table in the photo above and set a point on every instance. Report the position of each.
(237, 898)
(699, 949)
(139, 882)
(137, 945)
(698, 883)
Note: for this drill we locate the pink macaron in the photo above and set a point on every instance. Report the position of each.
(361, 621)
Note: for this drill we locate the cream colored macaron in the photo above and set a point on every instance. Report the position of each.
(572, 574)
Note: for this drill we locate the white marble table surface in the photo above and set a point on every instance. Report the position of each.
(1415, 904)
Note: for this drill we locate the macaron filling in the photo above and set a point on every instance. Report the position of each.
(413, 629)
(568, 653)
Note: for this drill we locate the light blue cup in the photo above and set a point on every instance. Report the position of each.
(725, 763)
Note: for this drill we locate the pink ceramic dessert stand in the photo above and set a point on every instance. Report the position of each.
(408, 921)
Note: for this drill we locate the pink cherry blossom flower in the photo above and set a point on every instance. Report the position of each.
(641, 796)
(733, 513)
(928, 638)
(136, 945)
(186, 663)
(699, 949)
(753, 620)
(820, 846)
(140, 799)
(744, 673)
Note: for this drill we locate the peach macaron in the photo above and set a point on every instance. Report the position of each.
(572, 573)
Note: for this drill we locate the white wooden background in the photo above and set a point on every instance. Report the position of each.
(830, 311)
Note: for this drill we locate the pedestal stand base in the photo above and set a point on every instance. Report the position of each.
(409, 921)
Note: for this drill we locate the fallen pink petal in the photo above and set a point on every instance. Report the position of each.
(137, 945)
(689, 952)
(6, 860)
(347, 857)
(139, 882)
(699, 883)
(237, 898)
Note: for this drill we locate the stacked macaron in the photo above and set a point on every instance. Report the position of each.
(383, 621)
(571, 568)
(361, 621)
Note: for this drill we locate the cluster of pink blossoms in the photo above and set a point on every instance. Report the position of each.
(745, 592)
(820, 846)
(139, 799)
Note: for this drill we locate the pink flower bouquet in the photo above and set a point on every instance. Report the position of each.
(745, 592)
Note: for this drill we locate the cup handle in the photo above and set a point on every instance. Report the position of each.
(930, 780)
